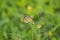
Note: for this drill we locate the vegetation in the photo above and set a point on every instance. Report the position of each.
(29, 20)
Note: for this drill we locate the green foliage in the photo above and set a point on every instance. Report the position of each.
(45, 16)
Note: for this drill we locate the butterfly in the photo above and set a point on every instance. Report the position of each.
(28, 19)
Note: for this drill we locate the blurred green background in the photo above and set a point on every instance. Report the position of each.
(45, 15)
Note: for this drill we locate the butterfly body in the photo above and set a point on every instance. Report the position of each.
(28, 19)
